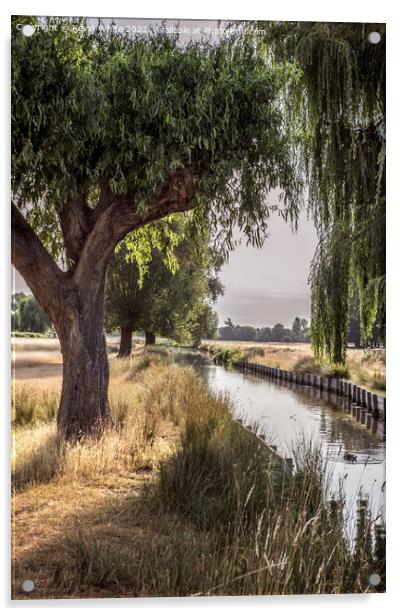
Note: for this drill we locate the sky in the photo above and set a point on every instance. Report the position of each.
(269, 285)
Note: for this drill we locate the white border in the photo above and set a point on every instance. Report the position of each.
(306, 10)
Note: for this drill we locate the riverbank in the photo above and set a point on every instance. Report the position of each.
(363, 368)
(175, 500)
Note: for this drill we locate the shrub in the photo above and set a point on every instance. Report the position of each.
(311, 365)
(30, 335)
(308, 365)
(228, 356)
(338, 371)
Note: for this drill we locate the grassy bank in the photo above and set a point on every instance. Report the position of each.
(365, 368)
(175, 499)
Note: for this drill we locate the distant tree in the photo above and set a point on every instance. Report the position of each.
(15, 299)
(204, 324)
(29, 316)
(166, 299)
(278, 332)
(264, 334)
(299, 329)
(15, 324)
(237, 332)
(296, 328)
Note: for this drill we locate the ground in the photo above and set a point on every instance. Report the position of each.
(176, 499)
(45, 514)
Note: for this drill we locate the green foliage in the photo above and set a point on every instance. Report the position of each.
(338, 105)
(311, 365)
(27, 315)
(18, 334)
(204, 324)
(168, 294)
(131, 110)
(228, 356)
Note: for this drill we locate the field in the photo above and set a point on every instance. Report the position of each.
(365, 368)
(175, 499)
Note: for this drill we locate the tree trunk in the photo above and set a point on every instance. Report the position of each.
(126, 333)
(149, 338)
(84, 406)
(74, 300)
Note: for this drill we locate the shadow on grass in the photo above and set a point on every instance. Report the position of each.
(39, 466)
(128, 545)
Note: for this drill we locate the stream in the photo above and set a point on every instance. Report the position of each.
(288, 413)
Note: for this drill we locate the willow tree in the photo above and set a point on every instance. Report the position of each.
(339, 106)
(168, 295)
(112, 132)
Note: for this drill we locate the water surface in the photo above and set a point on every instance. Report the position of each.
(290, 412)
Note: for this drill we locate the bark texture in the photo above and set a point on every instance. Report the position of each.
(84, 406)
(150, 338)
(126, 333)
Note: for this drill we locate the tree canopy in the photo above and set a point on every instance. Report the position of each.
(101, 112)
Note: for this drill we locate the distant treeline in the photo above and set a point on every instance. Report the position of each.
(299, 332)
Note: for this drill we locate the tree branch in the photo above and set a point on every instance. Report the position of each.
(30, 258)
(121, 217)
(75, 222)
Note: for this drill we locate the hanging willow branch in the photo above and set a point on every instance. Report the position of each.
(337, 108)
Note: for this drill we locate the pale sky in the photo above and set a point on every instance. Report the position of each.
(269, 285)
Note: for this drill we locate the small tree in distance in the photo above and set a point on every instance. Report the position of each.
(165, 300)
(27, 315)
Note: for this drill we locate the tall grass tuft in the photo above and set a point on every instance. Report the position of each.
(311, 365)
(231, 531)
(138, 410)
(32, 406)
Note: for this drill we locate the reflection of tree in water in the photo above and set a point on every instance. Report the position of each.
(335, 424)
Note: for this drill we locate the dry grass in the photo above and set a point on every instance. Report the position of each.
(176, 499)
(137, 439)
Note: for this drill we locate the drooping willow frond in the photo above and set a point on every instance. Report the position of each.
(338, 109)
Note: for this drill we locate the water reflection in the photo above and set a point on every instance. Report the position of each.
(290, 412)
